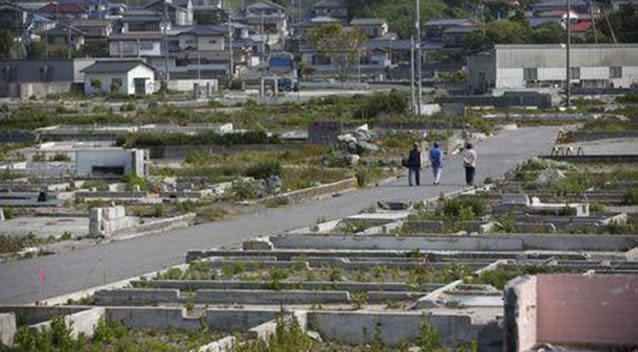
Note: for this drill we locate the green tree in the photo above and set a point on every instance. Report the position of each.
(624, 23)
(37, 50)
(6, 43)
(548, 33)
(341, 45)
(400, 14)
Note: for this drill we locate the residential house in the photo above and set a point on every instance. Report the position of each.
(63, 38)
(538, 66)
(119, 77)
(372, 27)
(331, 8)
(140, 20)
(94, 28)
(96, 35)
(455, 37)
(27, 78)
(267, 19)
(580, 23)
(434, 29)
(209, 12)
(136, 44)
(64, 11)
(577, 6)
(180, 12)
(13, 17)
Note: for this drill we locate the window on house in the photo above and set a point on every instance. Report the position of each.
(574, 73)
(146, 45)
(212, 41)
(530, 74)
(615, 72)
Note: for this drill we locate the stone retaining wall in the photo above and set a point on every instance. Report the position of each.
(493, 242)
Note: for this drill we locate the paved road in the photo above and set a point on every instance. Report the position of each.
(94, 266)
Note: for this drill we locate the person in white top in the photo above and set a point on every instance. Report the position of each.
(469, 162)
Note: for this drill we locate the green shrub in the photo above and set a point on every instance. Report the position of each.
(264, 170)
(631, 197)
(288, 337)
(381, 103)
(61, 157)
(128, 107)
(429, 338)
(244, 190)
(132, 180)
(362, 177)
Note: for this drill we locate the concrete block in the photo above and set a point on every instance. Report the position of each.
(8, 328)
(159, 318)
(83, 322)
(632, 255)
(233, 320)
(288, 297)
(515, 199)
(257, 244)
(222, 345)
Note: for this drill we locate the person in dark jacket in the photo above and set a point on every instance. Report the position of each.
(414, 166)
(436, 161)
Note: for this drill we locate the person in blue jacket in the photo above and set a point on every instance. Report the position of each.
(436, 161)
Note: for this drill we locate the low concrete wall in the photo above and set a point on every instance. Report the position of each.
(602, 158)
(270, 297)
(80, 323)
(83, 196)
(425, 227)
(158, 225)
(161, 318)
(32, 314)
(8, 328)
(136, 296)
(143, 296)
(359, 328)
(284, 285)
(494, 242)
(584, 136)
(307, 193)
(153, 318)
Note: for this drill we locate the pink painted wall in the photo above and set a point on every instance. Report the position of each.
(600, 309)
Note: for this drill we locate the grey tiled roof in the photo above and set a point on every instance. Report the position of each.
(113, 66)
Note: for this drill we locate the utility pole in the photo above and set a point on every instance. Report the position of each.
(165, 42)
(418, 57)
(199, 65)
(231, 69)
(413, 95)
(567, 56)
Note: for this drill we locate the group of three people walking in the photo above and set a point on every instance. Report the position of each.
(413, 163)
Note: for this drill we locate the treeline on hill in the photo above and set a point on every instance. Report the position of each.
(133, 140)
(400, 15)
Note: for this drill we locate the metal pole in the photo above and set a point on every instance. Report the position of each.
(418, 57)
(165, 42)
(359, 65)
(230, 50)
(413, 95)
(199, 66)
(567, 57)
